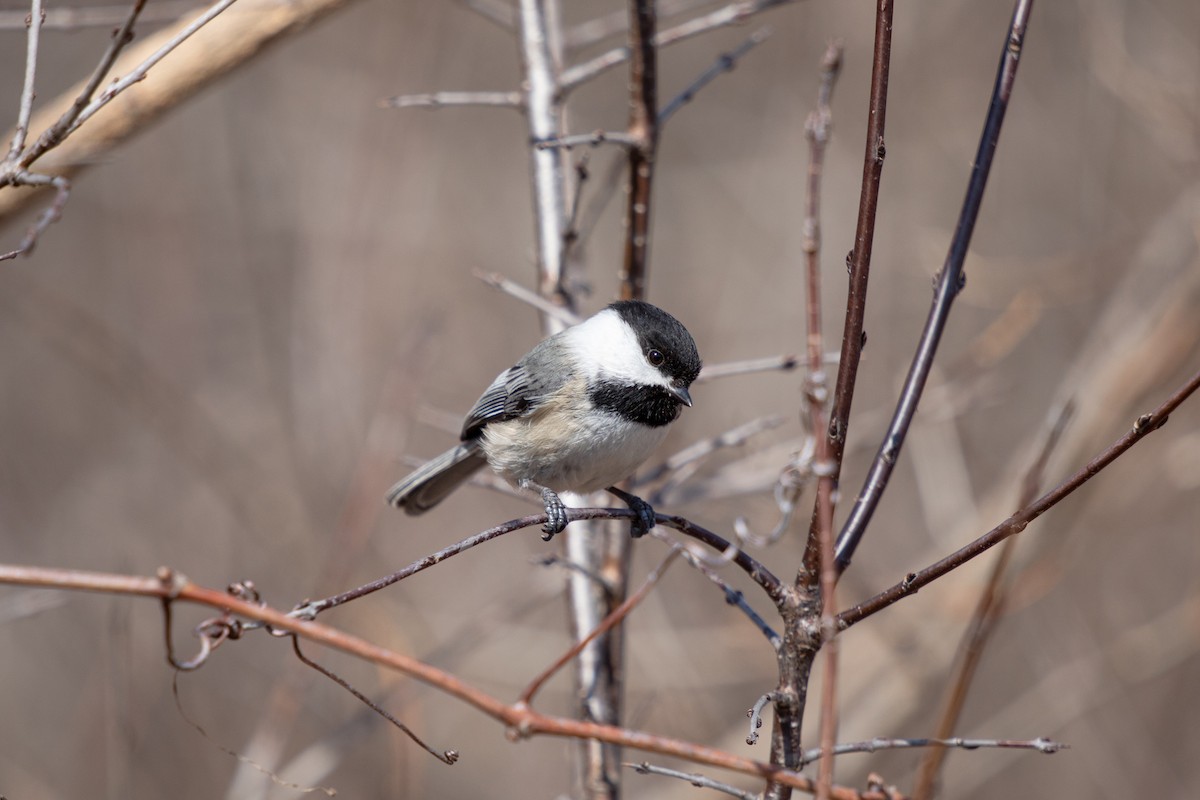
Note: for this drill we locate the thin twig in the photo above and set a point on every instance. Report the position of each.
(950, 282)
(617, 22)
(527, 296)
(694, 778)
(71, 118)
(593, 139)
(71, 19)
(697, 451)
(726, 62)
(309, 609)
(733, 597)
(732, 14)
(608, 623)
(987, 614)
(1041, 745)
(446, 756)
(34, 24)
(859, 260)
(437, 100)
(914, 581)
(784, 363)
(497, 12)
(817, 131)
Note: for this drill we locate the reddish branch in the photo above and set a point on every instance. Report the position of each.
(521, 721)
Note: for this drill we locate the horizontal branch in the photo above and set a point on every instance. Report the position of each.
(760, 574)
(436, 100)
(1041, 745)
(171, 586)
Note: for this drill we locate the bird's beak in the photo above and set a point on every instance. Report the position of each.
(682, 393)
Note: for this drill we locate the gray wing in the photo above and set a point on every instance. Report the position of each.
(520, 389)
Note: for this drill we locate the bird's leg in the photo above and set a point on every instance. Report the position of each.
(556, 512)
(643, 519)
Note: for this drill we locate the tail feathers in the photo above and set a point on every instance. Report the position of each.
(431, 483)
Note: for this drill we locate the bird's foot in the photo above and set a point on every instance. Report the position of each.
(643, 512)
(556, 515)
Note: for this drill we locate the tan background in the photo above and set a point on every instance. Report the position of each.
(219, 357)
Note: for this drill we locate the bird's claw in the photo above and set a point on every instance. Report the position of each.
(643, 512)
(556, 515)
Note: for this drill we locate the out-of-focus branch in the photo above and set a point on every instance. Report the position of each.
(643, 129)
(817, 130)
(987, 614)
(436, 100)
(220, 46)
(727, 15)
(949, 283)
(1144, 425)
(70, 19)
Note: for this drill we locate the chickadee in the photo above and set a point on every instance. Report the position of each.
(580, 412)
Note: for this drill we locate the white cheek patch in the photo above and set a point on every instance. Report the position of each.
(608, 347)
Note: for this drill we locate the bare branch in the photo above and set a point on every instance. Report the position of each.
(438, 100)
(25, 110)
(172, 587)
(446, 756)
(726, 62)
(70, 19)
(695, 779)
(497, 12)
(1047, 746)
(608, 623)
(516, 290)
(950, 282)
(988, 610)
(728, 15)
(1143, 426)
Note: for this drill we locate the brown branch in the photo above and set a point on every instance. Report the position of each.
(171, 587)
(987, 614)
(615, 618)
(643, 128)
(914, 581)
(817, 131)
(859, 260)
(219, 47)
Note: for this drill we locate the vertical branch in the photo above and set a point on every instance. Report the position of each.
(34, 21)
(541, 62)
(859, 264)
(950, 281)
(643, 128)
(597, 549)
(817, 131)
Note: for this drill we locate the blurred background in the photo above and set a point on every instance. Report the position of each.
(253, 315)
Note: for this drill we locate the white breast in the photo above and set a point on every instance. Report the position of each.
(563, 447)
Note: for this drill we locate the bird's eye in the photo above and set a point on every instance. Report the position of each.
(656, 358)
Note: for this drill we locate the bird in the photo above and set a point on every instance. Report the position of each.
(578, 413)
